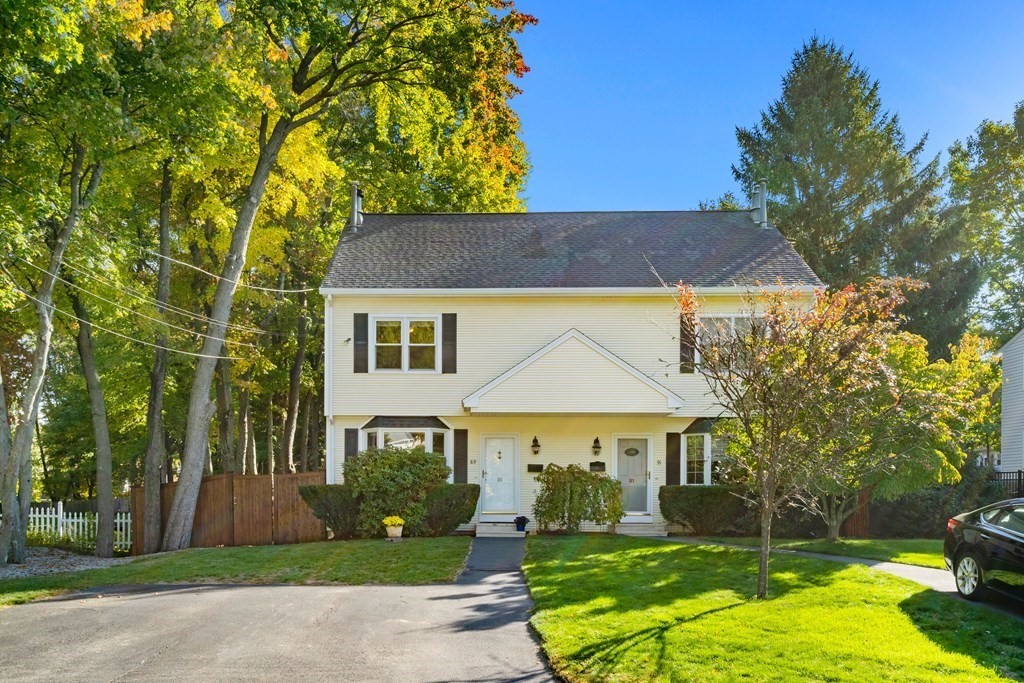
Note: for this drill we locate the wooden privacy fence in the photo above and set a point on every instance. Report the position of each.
(235, 509)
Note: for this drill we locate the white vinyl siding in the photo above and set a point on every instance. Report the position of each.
(497, 333)
(562, 441)
(1012, 451)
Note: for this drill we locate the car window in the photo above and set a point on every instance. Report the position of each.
(991, 515)
(1012, 520)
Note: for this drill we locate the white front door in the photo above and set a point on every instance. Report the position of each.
(499, 474)
(634, 471)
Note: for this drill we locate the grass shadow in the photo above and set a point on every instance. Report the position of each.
(996, 640)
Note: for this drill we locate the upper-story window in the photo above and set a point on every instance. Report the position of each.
(721, 326)
(405, 343)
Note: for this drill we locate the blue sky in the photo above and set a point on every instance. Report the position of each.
(633, 105)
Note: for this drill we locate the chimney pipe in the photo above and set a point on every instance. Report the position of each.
(759, 194)
(355, 212)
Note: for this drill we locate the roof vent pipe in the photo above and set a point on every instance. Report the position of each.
(759, 194)
(355, 212)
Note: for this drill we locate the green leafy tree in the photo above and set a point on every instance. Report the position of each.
(304, 63)
(987, 175)
(854, 198)
(807, 385)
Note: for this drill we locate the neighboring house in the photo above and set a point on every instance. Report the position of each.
(512, 341)
(1012, 451)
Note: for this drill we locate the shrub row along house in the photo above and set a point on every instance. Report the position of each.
(512, 341)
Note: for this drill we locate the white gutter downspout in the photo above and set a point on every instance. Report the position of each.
(328, 379)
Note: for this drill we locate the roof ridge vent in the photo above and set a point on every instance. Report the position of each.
(759, 195)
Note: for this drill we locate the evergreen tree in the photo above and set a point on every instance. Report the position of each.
(852, 196)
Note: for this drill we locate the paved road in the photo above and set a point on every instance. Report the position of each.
(474, 630)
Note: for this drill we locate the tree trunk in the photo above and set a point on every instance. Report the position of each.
(295, 386)
(317, 411)
(766, 539)
(835, 510)
(200, 409)
(19, 456)
(244, 426)
(226, 417)
(8, 477)
(270, 434)
(253, 460)
(101, 433)
(152, 475)
(307, 401)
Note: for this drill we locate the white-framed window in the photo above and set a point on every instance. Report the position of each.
(405, 343)
(703, 457)
(720, 325)
(431, 439)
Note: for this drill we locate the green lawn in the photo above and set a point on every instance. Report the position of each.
(923, 552)
(413, 561)
(626, 609)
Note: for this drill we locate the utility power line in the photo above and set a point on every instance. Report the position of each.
(239, 283)
(132, 310)
(135, 294)
(117, 334)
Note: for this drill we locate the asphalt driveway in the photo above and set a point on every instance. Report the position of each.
(474, 630)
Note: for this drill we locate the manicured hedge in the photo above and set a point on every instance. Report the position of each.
(703, 510)
(395, 481)
(924, 513)
(336, 504)
(450, 505)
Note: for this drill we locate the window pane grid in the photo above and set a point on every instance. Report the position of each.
(405, 344)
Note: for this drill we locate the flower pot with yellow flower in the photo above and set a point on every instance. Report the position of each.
(394, 525)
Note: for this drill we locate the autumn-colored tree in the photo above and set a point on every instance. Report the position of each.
(810, 387)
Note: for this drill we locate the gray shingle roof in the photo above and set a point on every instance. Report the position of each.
(586, 249)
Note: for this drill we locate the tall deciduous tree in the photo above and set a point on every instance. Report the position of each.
(988, 186)
(854, 198)
(806, 386)
(307, 61)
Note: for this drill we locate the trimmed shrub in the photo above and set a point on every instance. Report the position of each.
(923, 513)
(336, 504)
(394, 481)
(704, 510)
(450, 505)
(570, 495)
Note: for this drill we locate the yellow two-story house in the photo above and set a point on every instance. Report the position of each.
(509, 342)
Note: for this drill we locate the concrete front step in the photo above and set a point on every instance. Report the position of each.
(498, 530)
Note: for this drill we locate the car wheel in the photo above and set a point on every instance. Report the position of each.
(969, 577)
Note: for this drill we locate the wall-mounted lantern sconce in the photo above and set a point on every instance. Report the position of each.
(535, 446)
(597, 446)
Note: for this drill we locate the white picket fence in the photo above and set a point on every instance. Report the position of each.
(79, 527)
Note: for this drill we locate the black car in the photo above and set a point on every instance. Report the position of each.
(985, 550)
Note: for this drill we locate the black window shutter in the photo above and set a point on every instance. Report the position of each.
(361, 336)
(351, 444)
(687, 343)
(449, 336)
(461, 455)
(673, 451)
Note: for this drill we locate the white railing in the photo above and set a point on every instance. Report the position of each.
(78, 527)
